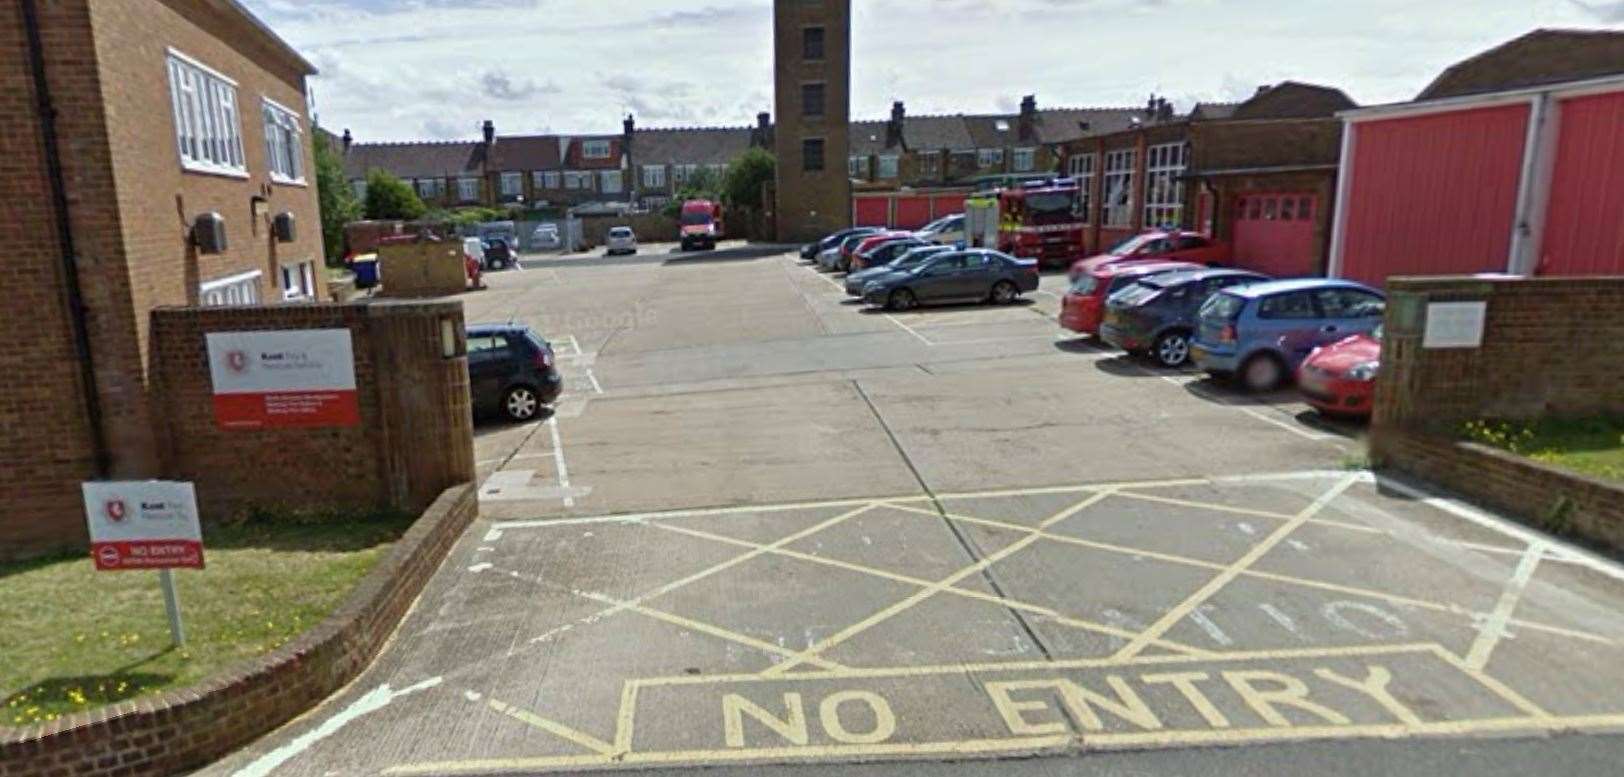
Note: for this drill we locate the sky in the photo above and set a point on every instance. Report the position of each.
(394, 70)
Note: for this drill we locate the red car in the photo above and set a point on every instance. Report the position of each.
(1083, 307)
(1158, 244)
(865, 250)
(1340, 378)
(867, 244)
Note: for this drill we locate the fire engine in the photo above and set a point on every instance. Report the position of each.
(1038, 220)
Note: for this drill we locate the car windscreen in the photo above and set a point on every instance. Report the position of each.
(1223, 307)
(1129, 246)
(620, 232)
(1049, 202)
(696, 218)
(915, 256)
(1085, 285)
(1138, 293)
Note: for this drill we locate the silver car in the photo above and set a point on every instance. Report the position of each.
(621, 241)
(545, 238)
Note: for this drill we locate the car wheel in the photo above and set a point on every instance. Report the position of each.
(1172, 349)
(1262, 372)
(902, 299)
(520, 403)
(1003, 293)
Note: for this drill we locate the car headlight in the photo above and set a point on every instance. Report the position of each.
(871, 286)
(1363, 371)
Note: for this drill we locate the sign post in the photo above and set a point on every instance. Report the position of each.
(146, 524)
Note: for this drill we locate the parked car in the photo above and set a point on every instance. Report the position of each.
(545, 238)
(621, 240)
(499, 253)
(903, 261)
(946, 230)
(865, 244)
(882, 252)
(834, 258)
(511, 371)
(1157, 313)
(1083, 307)
(1158, 244)
(1262, 332)
(1340, 378)
(810, 251)
(954, 276)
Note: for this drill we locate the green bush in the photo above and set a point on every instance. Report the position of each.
(334, 199)
(389, 197)
(741, 186)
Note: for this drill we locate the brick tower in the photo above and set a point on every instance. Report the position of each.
(812, 83)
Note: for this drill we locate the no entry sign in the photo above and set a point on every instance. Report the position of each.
(287, 378)
(143, 524)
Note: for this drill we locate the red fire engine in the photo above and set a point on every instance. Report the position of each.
(1039, 220)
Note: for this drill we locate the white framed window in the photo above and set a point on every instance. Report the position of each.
(989, 157)
(1025, 160)
(1118, 199)
(208, 129)
(512, 184)
(718, 171)
(577, 180)
(284, 145)
(595, 149)
(888, 166)
(545, 179)
(359, 185)
(609, 181)
(654, 176)
(299, 281)
(1081, 168)
(930, 165)
(681, 173)
(239, 289)
(467, 189)
(1164, 183)
(857, 167)
(429, 188)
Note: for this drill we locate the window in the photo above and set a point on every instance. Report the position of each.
(512, 184)
(208, 132)
(1349, 303)
(1189, 242)
(1118, 210)
(930, 165)
(610, 181)
(812, 155)
(595, 149)
(719, 171)
(240, 289)
(654, 176)
(299, 281)
(1305, 208)
(360, 187)
(577, 180)
(429, 188)
(467, 189)
(1164, 189)
(987, 157)
(282, 143)
(1297, 304)
(888, 166)
(812, 43)
(812, 99)
(487, 346)
(1081, 168)
(681, 173)
(857, 167)
(544, 179)
(1025, 160)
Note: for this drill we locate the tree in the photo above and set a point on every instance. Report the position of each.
(389, 197)
(334, 199)
(741, 187)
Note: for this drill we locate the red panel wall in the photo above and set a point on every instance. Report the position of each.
(1584, 221)
(946, 205)
(1433, 194)
(871, 211)
(912, 212)
(1274, 233)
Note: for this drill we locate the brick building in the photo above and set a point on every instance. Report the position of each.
(164, 111)
(812, 93)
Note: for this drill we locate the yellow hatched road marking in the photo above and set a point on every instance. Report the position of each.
(552, 726)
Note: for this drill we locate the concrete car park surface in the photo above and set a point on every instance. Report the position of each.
(769, 525)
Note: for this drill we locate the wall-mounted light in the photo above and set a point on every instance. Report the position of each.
(209, 233)
(282, 227)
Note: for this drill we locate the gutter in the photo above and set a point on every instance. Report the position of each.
(102, 457)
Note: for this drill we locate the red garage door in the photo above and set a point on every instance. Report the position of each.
(1584, 234)
(1432, 194)
(1274, 234)
(871, 211)
(912, 212)
(946, 205)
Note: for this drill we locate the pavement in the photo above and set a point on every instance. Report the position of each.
(768, 531)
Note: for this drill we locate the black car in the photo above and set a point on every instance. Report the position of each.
(957, 276)
(498, 254)
(511, 371)
(811, 250)
(1158, 313)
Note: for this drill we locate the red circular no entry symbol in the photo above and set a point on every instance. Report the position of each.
(108, 555)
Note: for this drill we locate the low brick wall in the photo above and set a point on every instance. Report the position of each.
(185, 729)
(1542, 496)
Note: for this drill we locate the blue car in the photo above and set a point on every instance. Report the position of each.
(902, 261)
(1157, 314)
(1260, 333)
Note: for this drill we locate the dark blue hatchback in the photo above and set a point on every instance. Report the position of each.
(1158, 313)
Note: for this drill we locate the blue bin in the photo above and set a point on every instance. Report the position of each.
(366, 273)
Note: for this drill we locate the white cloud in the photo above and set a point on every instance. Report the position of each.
(393, 69)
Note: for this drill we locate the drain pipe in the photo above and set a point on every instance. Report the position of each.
(64, 233)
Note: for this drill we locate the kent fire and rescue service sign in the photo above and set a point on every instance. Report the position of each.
(303, 378)
(143, 524)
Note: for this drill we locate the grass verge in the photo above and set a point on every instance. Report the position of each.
(1588, 446)
(75, 639)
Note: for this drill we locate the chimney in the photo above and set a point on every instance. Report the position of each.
(628, 126)
(347, 140)
(1150, 105)
(1261, 90)
(490, 131)
(1029, 117)
(1164, 110)
(893, 128)
(761, 135)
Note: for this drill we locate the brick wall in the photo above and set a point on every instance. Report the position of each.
(1220, 145)
(185, 729)
(415, 436)
(811, 205)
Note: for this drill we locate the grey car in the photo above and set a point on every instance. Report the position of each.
(956, 276)
(1158, 313)
(903, 261)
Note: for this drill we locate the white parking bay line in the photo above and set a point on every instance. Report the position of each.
(1293, 428)
(908, 329)
(558, 459)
